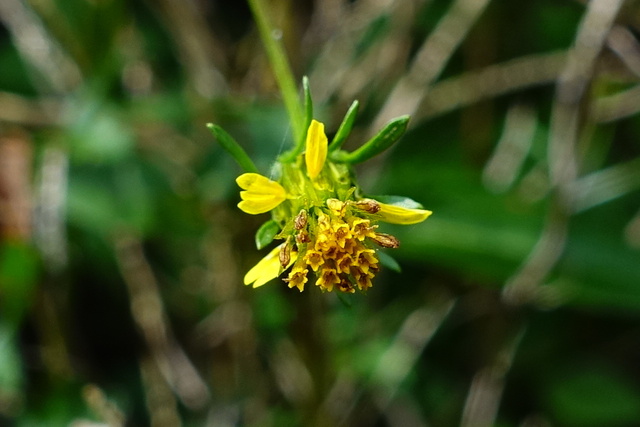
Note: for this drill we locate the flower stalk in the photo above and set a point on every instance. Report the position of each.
(281, 69)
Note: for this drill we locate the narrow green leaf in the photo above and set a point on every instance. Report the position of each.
(390, 262)
(231, 145)
(345, 127)
(376, 145)
(266, 233)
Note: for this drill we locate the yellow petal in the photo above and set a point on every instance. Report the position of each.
(316, 149)
(399, 215)
(268, 268)
(255, 203)
(261, 193)
(265, 270)
(259, 184)
(255, 208)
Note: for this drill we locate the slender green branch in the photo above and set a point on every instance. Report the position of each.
(281, 68)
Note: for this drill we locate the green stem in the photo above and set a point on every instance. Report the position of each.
(281, 68)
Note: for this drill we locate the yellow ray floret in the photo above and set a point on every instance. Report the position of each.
(261, 193)
(268, 268)
(398, 215)
(265, 270)
(316, 149)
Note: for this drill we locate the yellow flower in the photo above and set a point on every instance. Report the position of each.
(399, 215)
(297, 278)
(362, 228)
(343, 265)
(316, 149)
(341, 233)
(314, 259)
(327, 278)
(261, 195)
(329, 230)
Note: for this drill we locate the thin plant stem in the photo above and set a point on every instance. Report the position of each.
(281, 67)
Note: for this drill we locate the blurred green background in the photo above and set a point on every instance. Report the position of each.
(122, 252)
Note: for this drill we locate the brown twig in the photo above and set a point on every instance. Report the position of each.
(54, 69)
(487, 386)
(27, 112)
(200, 52)
(148, 313)
(495, 80)
(394, 365)
(430, 60)
(566, 123)
(339, 70)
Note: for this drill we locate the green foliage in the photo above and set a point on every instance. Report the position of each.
(228, 143)
(593, 396)
(384, 139)
(266, 233)
(345, 127)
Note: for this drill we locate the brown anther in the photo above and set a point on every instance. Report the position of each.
(302, 237)
(386, 240)
(285, 253)
(368, 205)
(301, 220)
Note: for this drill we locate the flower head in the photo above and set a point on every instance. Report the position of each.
(330, 231)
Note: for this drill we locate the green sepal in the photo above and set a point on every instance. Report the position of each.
(403, 202)
(231, 145)
(290, 155)
(376, 145)
(388, 261)
(345, 127)
(266, 233)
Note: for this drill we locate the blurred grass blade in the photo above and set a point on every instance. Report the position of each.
(376, 145)
(345, 127)
(266, 233)
(231, 145)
